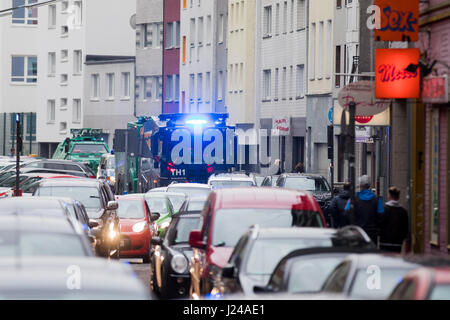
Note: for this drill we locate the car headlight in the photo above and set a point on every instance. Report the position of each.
(112, 231)
(139, 227)
(179, 263)
(164, 225)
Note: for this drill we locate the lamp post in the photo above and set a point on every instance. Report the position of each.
(18, 150)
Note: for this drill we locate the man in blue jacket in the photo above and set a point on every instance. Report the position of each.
(367, 210)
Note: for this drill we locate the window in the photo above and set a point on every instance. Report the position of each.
(76, 116)
(24, 69)
(285, 17)
(191, 87)
(320, 52)
(77, 61)
(329, 50)
(110, 85)
(159, 35)
(148, 35)
(208, 30)
(170, 35)
(51, 112)
(267, 77)
(52, 16)
(300, 14)
(184, 50)
(292, 15)
(221, 28)
(147, 88)
(338, 4)
(277, 80)
(312, 56)
(291, 82)
(125, 85)
(169, 88)
(64, 31)
(28, 16)
(95, 86)
(200, 31)
(284, 84)
(63, 127)
(300, 81)
(64, 79)
(208, 87)
(220, 87)
(177, 87)
(338, 67)
(64, 55)
(64, 6)
(78, 11)
(238, 19)
(158, 82)
(199, 86)
(63, 104)
(177, 34)
(51, 63)
(277, 20)
(267, 24)
(192, 32)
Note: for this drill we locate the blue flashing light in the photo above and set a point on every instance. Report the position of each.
(196, 121)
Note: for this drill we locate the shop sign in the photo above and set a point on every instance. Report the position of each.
(435, 90)
(399, 20)
(391, 77)
(282, 125)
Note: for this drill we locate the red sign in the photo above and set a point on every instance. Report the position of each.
(435, 90)
(399, 20)
(392, 80)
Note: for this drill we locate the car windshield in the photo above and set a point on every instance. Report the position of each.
(185, 225)
(189, 192)
(177, 201)
(306, 184)
(440, 292)
(196, 205)
(130, 209)
(309, 274)
(217, 184)
(88, 196)
(266, 253)
(157, 204)
(230, 224)
(11, 181)
(388, 280)
(89, 148)
(6, 175)
(28, 243)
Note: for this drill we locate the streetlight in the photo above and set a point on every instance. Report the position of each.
(18, 150)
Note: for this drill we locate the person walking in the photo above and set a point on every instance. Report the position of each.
(278, 165)
(12, 152)
(336, 210)
(394, 224)
(366, 211)
(299, 168)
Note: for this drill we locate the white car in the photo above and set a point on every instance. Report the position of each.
(231, 180)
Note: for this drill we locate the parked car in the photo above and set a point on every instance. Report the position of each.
(367, 276)
(135, 227)
(47, 278)
(304, 271)
(170, 263)
(258, 178)
(36, 236)
(258, 252)
(100, 205)
(227, 215)
(189, 189)
(231, 180)
(316, 184)
(431, 282)
(194, 204)
(61, 165)
(270, 181)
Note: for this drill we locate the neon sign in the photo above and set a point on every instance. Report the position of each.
(399, 20)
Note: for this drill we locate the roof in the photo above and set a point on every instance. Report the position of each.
(21, 203)
(36, 224)
(262, 197)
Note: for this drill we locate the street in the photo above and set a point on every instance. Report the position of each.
(143, 272)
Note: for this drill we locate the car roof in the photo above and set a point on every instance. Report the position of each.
(60, 161)
(384, 260)
(131, 197)
(231, 178)
(261, 197)
(159, 189)
(70, 182)
(299, 175)
(36, 224)
(294, 232)
(17, 203)
(188, 185)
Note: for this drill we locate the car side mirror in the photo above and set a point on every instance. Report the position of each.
(262, 289)
(156, 241)
(228, 271)
(195, 239)
(155, 216)
(112, 205)
(93, 223)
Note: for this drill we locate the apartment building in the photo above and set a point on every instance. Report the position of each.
(149, 56)
(241, 40)
(281, 74)
(320, 84)
(171, 56)
(203, 56)
(19, 34)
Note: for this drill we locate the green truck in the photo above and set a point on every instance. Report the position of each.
(85, 146)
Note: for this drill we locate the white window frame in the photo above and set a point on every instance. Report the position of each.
(126, 85)
(267, 21)
(25, 76)
(26, 20)
(51, 64)
(95, 87)
(77, 62)
(110, 85)
(51, 111)
(52, 16)
(267, 84)
(76, 111)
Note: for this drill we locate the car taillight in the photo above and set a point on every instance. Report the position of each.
(93, 177)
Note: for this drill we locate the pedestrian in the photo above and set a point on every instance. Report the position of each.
(394, 224)
(299, 168)
(12, 152)
(336, 210)
(278, 166)
(366, 210)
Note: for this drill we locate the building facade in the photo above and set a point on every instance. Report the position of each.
(149, 57)
(320, 84)
(203, 56)
(281, 75)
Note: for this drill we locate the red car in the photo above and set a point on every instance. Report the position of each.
(424, 284)
(227, 215)
(135, 231)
